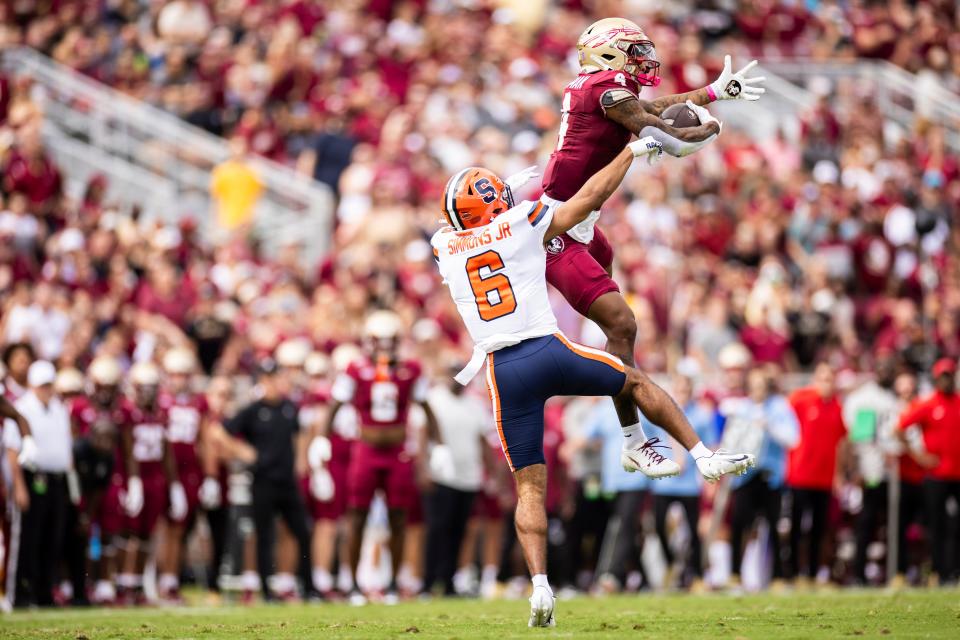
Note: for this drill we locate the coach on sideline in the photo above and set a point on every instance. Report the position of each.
(41, 537)
(271, 424)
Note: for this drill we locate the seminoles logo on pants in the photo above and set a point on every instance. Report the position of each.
(555, 246)
(733, 88)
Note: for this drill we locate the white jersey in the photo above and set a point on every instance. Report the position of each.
(497, 277)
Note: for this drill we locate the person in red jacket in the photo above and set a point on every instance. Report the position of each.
(938, 417)
(812, 464)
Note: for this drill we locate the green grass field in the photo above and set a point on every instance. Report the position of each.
(913, 614)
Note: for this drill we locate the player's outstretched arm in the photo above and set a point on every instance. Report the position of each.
(729, 85)
(656, 107)
(631, 115)
(599, 187)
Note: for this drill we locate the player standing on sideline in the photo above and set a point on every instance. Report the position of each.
(97, 456)
(152, 485)
(601, 109)
(187, 420)
(493, 259)
(382, 388)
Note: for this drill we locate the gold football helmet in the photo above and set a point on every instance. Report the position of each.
(620, 45)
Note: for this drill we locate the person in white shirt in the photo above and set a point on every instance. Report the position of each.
(457, 472)
(41, 540)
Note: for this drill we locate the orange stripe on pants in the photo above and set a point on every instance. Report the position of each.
(592, 354)
(495, 400)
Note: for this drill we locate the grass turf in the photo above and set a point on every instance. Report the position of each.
(913, 614)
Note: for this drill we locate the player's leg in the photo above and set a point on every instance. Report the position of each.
(530, 521)
(265, 527)
(519, 380)
(401, 493)
(586, 284)
(591, 372)
(362, 482)
(168, 560)
(294, 513)
(323, 543)
(691, 509)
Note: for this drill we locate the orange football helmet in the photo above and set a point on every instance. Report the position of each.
(474, 197)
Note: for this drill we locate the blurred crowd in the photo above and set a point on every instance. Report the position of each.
(750, 260)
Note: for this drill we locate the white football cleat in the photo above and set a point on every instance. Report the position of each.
(357, 599)
(647, 460)
(541, 608)
(723, 462)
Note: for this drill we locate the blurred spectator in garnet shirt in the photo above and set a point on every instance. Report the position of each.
(812, 463)
(31, 172)
(938, 417)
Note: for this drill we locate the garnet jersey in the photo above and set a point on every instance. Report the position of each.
(148, 429)
(89, 417)
(587, 140)
(186, 412)
(497, 277)
(381, 393)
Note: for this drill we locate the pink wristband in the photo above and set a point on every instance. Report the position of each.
(711, 93)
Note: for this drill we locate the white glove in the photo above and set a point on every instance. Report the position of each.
(319, 452)
(521, 178)
(28, 453)
(647, 147)
(209, 494)
(321, 485)
(736, 86)
(132, 500)
(703, 115)
(178, 501)
(442, 465)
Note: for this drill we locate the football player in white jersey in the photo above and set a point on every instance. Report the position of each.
(492, 257)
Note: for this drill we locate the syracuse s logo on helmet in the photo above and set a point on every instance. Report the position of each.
(485, 190)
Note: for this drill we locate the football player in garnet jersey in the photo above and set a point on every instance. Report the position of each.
(187, 414)
(152, 487)
(381, 388)
(96, 449)
(601, 110)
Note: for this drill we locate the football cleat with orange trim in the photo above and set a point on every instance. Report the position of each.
(474, 197)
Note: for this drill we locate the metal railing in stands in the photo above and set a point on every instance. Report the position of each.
(902, 97)
(157, 161)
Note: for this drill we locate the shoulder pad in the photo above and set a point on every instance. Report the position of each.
(613, 97)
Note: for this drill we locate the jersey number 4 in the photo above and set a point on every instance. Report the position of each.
(492, 290)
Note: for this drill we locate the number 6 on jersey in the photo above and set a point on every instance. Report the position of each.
(492, 290)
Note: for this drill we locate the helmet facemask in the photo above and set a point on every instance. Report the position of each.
(641, 61)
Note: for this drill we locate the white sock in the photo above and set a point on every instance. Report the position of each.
(126, 580)
(250, 581)
(540, 580)
(322, 579)
(633, 436)
(345, 578)
(285, 582)
(700, 451)
(167, 582)
(490, 573)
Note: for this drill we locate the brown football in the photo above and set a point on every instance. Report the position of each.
(680, 116)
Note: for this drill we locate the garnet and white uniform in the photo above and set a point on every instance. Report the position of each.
(148, 429)
(496, 276)
(381, 394)
(186, 413)
(577, 261)
(97, 470)
(341, 441)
